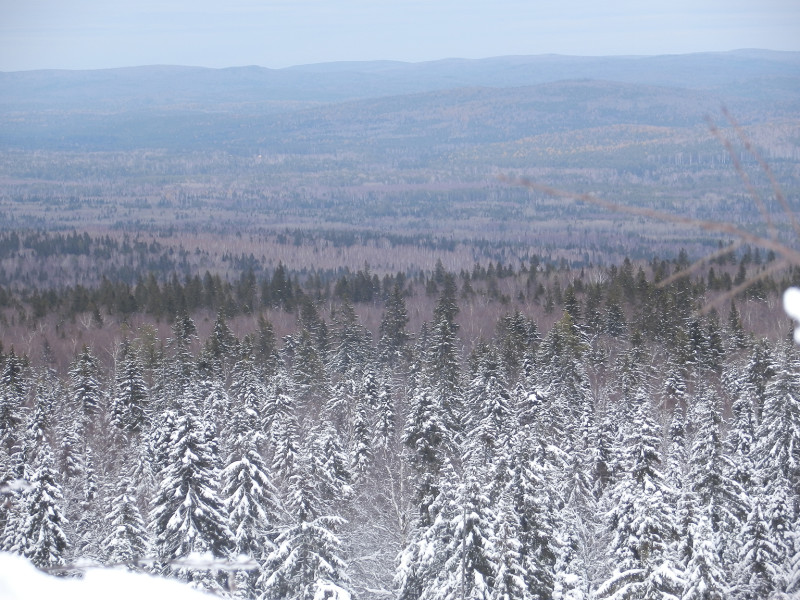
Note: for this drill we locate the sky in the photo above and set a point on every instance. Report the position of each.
(93, 34)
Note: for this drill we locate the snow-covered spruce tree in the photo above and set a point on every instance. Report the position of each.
(740, 441)
(758, 571)
(178, 367)
(718, 497)
(352, 350)
(48, 395)
(424, 436)
(518, 338)
(127, 542)
(510, 575)
(13, 391)
(36, 527)
(87, 395)
(534, 501)
(330, 466)
(247, 391)
(283, 427)
(250, 501)
(641, 519)
(307, 372)
(581, 544)
(440, 364)
(130, 397)
(490, 405)
(677, 459)
(361, 438)
(460, 556)
(306, 563)
(759, 370)
(217, 405)
(222, 347)
(188, 515)
(559, 363)
(384, 434)
(778, 445)
(393, 337)
(704, 576)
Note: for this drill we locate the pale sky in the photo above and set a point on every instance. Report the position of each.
(91, 34)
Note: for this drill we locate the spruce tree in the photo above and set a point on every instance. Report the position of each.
(718, 497)
(778, 445)
(393, 340)
(13, 391)
(704, 576)
(87, 396)
(36, 528)
(509, 577)
(250, 502)
(127, 542)
(461, 555)
(188, 515)
(130, 399)
(758, 569)
(640, 518)
(423, 435)
(306, 563)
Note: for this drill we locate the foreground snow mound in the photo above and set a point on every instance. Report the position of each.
(20, 580)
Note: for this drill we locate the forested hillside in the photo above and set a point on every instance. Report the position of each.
(632, 448)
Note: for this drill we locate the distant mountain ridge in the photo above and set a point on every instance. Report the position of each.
(161, 86)
(309, 108)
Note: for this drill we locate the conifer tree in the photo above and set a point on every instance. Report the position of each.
(87, 396)
(704, 576)
(308, 375)
(13, 390)
(386, 417)
(36, 528)
(559, 364)
(188, 515)
(222, 345)
(127, 541)
(461, 559)
(250, 502)
(535, 504)
(518, 339)
(778, 445)
(509, 577)
(352, 343)
(306, 563)
(284, 429)
(424, 435)
(247, 392)
(129, 402)
(641, 519)
(759, 370)
(740, 443)
(490, 403)
(758, 569)
(439, 356)
(394, 339)
(329, 464)
(361, 453)
(719, 497)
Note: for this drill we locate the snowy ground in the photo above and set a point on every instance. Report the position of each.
(20, 580)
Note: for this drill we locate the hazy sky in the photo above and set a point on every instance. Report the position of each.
(87, 34)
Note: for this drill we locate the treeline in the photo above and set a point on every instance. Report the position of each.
(609, 299)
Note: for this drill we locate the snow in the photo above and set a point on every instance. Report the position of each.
(20, 580)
